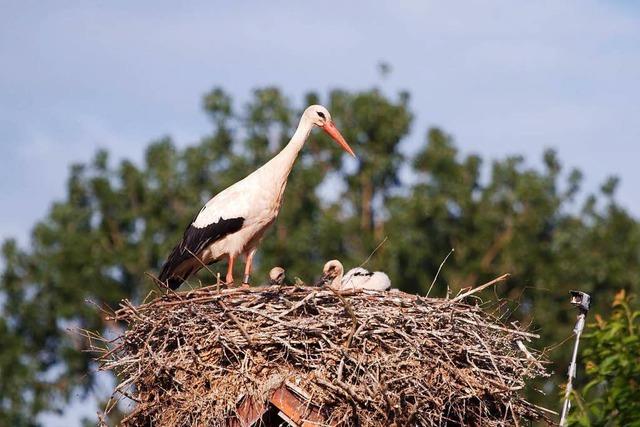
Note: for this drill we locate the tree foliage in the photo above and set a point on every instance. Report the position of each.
(612, 358)
(120, 219)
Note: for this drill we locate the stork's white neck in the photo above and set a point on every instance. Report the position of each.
(290, 152)
(337, 281)
(282, 163)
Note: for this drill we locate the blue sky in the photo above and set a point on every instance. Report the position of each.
(502, 76)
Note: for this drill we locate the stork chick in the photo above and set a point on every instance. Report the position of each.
(276, 276)
(233, 222)
(356, 278)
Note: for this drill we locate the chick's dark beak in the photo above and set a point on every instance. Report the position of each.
(325, 279)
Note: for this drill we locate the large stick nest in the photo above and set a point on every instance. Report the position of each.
(360, 357)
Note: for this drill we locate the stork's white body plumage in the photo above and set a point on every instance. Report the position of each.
(257, 198)
(234, 221)
(359, 278)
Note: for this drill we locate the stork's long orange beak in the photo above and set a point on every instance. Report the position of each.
(333, 132)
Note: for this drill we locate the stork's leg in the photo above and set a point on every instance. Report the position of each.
(247, 267)
(229, 278)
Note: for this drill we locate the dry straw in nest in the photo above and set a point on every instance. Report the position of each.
(213, 357)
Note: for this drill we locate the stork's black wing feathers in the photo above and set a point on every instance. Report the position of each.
(195, 240)
(361, 273)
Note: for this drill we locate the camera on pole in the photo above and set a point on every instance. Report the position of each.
(582, 301)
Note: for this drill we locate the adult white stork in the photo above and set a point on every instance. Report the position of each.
(233, 222)
(356, 278)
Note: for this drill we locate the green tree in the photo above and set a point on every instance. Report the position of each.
(119, 220)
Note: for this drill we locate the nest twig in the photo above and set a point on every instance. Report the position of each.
(373, 358)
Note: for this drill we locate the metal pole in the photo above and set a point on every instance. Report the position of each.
(582, 301)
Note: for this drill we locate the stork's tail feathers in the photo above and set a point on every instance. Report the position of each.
(169, 275)
(165, 277)
(182, 262)
(172, 282)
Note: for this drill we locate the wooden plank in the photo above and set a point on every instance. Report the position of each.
(248, 412)
(300, 411)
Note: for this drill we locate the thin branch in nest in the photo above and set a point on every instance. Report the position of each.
(206, 267)
(161, 285)
(354, 319)
(481, 287)
(235, 320)
(440, 268)
(341, 388)
(374, 251)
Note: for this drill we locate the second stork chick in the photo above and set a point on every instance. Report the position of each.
(356, 278)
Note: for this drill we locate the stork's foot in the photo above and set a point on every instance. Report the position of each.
(245, 281)
(223, 283)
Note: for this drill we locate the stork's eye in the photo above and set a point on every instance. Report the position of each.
(321, 114)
